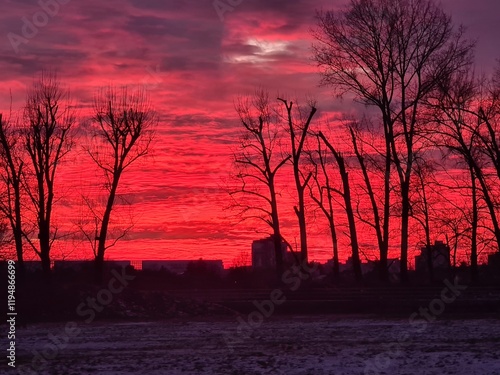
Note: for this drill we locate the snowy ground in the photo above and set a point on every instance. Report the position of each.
(288, 345)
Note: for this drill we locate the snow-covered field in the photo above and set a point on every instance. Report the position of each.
(286, 345)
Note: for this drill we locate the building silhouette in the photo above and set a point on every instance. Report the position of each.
(440, 254)
(263, 254)
(494, 260)
(179, 267)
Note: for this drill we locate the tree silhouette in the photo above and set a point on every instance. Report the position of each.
(47, 138)
(346, 195)
(380, 216)
(391, 54)
(12, 176)
(257, 162)
(122, 128)
(298, 124)
(321, 190)
(424, 203)
(458, 130)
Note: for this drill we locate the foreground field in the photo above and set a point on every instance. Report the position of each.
(292, 345)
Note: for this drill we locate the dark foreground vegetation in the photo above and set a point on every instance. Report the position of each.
(158, 295)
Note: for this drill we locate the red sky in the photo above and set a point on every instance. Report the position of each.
(193, 64)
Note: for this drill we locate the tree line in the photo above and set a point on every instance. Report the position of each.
(427, 113)
(33, 145)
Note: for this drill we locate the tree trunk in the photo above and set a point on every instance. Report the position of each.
(45, 257)
(103, 233)
(384, 236)
(296, 148)
(17, 229)
(427, 229)
(384, 247)
(18, 239)
(348, 208)
(300, 212)
(336, 270)
(278, 255)
(302, 229)
(356, 263)
(488, 201)
(405, 213)
(381, 242)
(473, 253)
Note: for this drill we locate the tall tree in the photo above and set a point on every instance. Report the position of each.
(346, 195)
(461, 226)
(391, 54)
(380, 219)
(123, 128)
(298, 124)
(257, 161)
(12, 167)
(488, 114)
(321, 190)
(49, 118)
(423, 203)
(459, 130)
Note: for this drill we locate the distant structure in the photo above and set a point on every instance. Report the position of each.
(393, 265)
(136, 264)
(179, 267)
(33, 265)
(81, 265)
(72, 265)
(263, 254)
(440, 253)
(365, 267)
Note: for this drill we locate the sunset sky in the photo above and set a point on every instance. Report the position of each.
(194, 62)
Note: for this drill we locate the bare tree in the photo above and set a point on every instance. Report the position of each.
(5, 239)
(298, 124)
(463, 218)
(466, 128)
(488, 114)
(321, 191)
(346, 195)
(380, 219)
(257, 162)
(391, 54)
(459, 130)
(123, 128)
(423, 203)
(49, 119)
(12, 167)
(474, 225)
